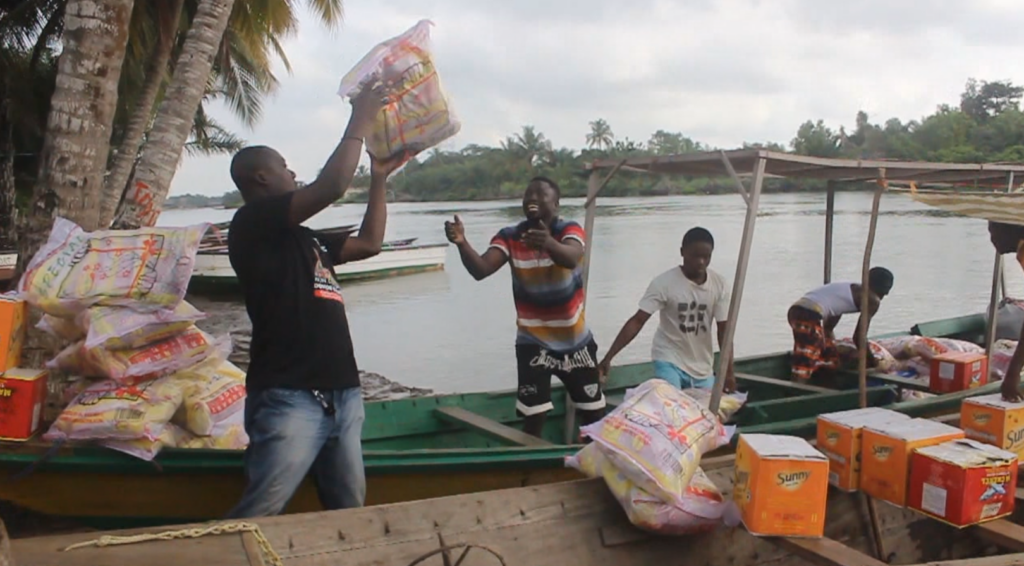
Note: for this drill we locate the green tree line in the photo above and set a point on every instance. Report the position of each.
(986, 126)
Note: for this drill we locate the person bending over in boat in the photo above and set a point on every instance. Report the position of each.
(1009, 238)
(688, 299)
(814, 317)
(304, 409)
(546, 257)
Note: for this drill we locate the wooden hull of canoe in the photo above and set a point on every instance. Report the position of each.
(410, 454)
(568, 523)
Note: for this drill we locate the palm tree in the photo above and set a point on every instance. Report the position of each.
(600, 136)
(259, 40)
(532, 145)
(74, 154)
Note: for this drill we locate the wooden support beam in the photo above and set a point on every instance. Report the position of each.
(782, 383)
(1002, 533)
(826, 552)
(488, 427)
(1000, 560)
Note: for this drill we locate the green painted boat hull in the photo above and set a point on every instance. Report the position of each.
(409, 453)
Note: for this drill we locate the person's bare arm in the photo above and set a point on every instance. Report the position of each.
(873, 305)
(480, 266)
(629, 331)
(1011, 381)
(566, 253)
(370, 239)
(337, 173)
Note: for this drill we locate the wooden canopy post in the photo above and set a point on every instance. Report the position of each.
(753, 199)
(830, 215)
(1002, 271)
(594, 186)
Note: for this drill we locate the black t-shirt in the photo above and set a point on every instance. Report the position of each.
(300, 334)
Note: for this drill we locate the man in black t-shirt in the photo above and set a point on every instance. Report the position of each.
(304, 410)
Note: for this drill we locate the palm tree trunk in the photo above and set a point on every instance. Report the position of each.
(124, 159)
(75, 151)
(164, 144)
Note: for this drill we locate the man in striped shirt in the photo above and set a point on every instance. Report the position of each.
(545, 254)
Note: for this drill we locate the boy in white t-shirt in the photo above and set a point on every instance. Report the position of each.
(688, 297)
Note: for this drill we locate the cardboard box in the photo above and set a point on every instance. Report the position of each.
(886, 450)
(839, 438)
(22, 395)
(957, 371)
(12, 332)
(781, 486)
(992, 420)
(963, 482)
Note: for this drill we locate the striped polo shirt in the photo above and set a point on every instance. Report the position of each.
(548, 297)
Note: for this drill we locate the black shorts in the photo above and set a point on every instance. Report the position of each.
(576, 370)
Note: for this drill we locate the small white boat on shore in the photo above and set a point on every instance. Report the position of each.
(213, 272)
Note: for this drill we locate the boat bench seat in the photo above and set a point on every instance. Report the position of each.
(488, 427)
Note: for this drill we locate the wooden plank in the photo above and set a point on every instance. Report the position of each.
(826, 552)
(783, 383)
(1002, 533)
(484, 425)
(1000, 560)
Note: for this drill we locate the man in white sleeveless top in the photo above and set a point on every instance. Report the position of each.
(814, 317)
(1007, 239)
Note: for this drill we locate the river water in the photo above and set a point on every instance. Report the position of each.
(449, 333)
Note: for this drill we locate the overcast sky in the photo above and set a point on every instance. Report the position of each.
(720, 71)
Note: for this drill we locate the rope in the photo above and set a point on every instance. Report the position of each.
(226, 528)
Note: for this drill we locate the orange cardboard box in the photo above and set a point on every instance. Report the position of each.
(781, 486)
(839, 438)
(12, 332)
(22, 394)
(993, 421)
(957, 371)
(886, 450)
(963, 482)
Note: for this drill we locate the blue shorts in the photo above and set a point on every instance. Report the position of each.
(672, 374)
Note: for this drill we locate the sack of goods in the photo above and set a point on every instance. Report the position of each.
(648, 451)
(143, 376)
(418, 114)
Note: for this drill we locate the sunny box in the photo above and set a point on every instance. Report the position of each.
(12, 332)
(22, 394)
(839, 438)
(781, 486)
(886, 450)
(963, 482)
(990, 419)
(957, 371)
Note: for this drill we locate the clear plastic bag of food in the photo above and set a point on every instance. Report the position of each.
(657, 436)
(703, 502)
(108, 410)
(727, 406)
(418, 115)
(146, 269)
(63, 328)
(212, 395)
(153, 360)
(121, 328)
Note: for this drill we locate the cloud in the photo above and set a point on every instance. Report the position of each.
(720, 71)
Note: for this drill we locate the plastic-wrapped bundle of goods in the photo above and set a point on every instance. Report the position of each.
(418, 115)
(120, 328)
(900, 347)
(727, 406)
(108, 410)
(927, 348)
(63, 328)
(656, 438)
(885, 362)
(702, 509)
(226, 435)
(1002, 353)
(214, 392)
(153, 360)
(146, 269)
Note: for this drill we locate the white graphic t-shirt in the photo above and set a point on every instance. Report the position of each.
(688, 313)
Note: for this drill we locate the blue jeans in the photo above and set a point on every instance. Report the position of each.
(676, 376)
(290, 435)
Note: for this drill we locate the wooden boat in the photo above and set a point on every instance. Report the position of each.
(213, 272)
(574, 522)
(414, 448)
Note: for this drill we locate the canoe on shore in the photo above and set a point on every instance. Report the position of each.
(574, 522)
(415, 448)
